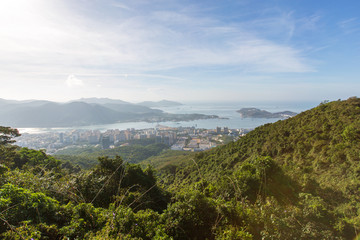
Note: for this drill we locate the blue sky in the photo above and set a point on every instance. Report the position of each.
(139, 50)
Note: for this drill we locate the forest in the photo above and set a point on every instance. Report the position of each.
(297, 178)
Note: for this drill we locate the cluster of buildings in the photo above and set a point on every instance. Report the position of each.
(180, 138)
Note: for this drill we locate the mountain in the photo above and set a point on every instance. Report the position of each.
(297, 178)
(101, 101)
(29, 103)
(119, 105)
(162, 103)
(89, 111)
(257, 113)
(60, 115)
(294, 179)
(131, 108)
(5, 102)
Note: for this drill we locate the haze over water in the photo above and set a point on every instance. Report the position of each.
(225, 110)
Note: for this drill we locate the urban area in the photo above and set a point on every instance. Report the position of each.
(180, 138)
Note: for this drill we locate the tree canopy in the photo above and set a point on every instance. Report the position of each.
(294, 179)
(7, 134)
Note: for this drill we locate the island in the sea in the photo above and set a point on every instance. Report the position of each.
(258, 113)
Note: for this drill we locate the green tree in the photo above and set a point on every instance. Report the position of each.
(7, 153)
(7, 134)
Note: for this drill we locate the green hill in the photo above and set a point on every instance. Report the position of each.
(294, 179)
(313, 157)
(322, 142)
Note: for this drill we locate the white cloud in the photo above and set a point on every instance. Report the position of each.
(350, 25)
(160, 40)
(121, 5)
(135, 49)
(73, 81)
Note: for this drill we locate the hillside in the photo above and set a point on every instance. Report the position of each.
(87, 157)
(323, 138)
(294, 179)
(52, 114)
(86, 111)
(311, 157)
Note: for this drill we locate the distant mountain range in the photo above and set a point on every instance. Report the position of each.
(101, 101)
(257, 113)
(119, 105)
(162, 103)
(82, 112)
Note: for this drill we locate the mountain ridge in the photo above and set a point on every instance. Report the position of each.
(162, 103)
(94, 111)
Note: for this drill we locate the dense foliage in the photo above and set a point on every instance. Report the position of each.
(294, 179)
(87, 157)
(307, 167)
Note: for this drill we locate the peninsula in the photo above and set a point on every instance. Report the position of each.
(258, 113)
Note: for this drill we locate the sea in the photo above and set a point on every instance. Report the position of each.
(225, 110)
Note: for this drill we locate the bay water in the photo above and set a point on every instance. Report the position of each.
(225, 110)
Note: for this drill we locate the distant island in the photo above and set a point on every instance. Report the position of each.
(83, 112)
(162, 103)
(258, 113)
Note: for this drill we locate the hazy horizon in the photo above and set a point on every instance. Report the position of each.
(199, 51)
(188, 102)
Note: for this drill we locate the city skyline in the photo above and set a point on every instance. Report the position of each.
(179, 50)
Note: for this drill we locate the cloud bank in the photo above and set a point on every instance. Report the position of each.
(59, 37)
(138, 45)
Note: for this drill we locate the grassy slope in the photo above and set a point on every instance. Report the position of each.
(168, 160)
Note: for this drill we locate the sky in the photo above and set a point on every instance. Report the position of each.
(181, 50)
